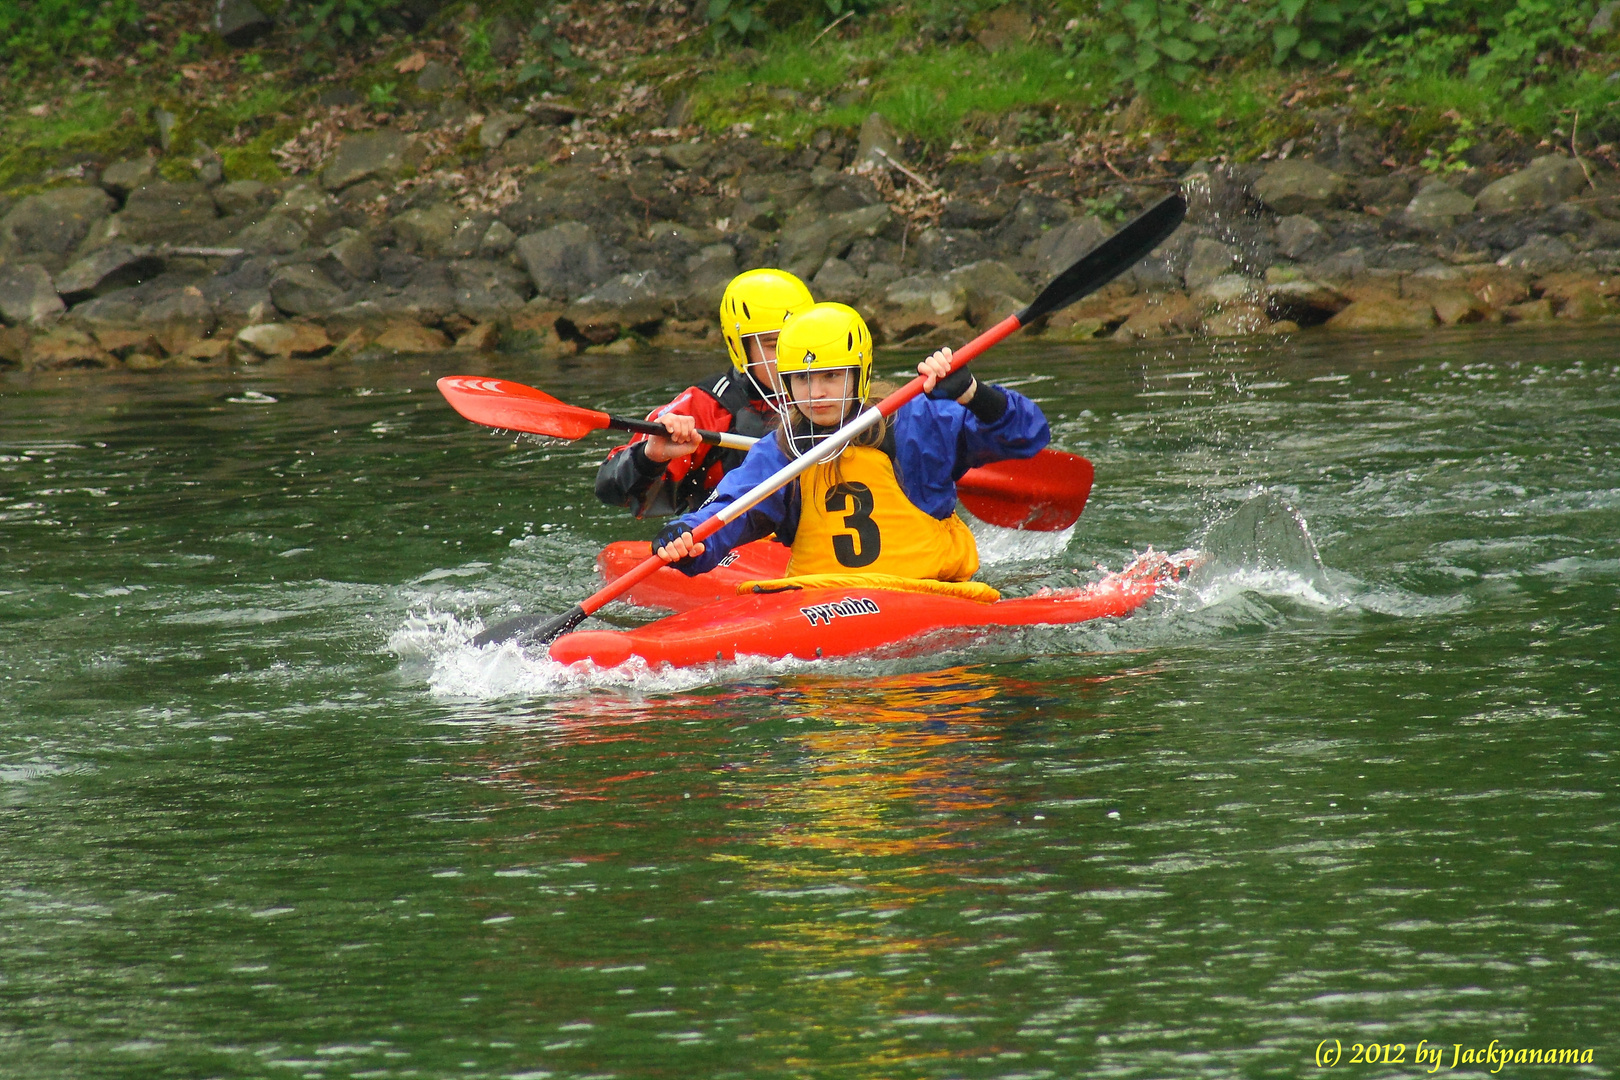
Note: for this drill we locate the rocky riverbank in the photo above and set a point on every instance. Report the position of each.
(561, 238)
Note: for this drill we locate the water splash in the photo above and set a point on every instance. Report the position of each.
(1261, 569)
(427, 635)
(1264, 545)
(1254, 568)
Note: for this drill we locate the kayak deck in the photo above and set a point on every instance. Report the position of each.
(828, 623)
(672, 590)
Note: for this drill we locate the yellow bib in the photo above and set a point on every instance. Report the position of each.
(855, 517)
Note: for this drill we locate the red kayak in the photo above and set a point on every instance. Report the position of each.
(849, 621)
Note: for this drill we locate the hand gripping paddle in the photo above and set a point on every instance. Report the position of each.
(1090, 272)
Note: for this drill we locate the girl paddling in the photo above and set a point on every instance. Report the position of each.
(674, 473)
(886, 504)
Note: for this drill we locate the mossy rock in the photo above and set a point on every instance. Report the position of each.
(248, 163)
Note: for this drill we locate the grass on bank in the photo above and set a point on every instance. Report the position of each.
(37, 149)
(958, 96)
(928, 94)
(948, 94)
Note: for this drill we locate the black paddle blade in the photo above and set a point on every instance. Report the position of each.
(532, 629)
(1110, 258)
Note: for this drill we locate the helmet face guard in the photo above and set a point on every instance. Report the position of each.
(827, 338)
(803, 433)
(776, 399)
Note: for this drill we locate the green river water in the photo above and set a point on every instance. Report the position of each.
(265, 813)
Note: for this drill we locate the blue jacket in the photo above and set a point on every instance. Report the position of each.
(935, 442)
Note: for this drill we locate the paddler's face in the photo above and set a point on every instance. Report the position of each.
(762, 360)
(823, 396)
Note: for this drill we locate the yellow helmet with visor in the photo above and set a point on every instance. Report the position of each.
(759, 302)
(825, 337)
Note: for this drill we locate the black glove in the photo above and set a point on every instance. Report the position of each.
(671, 532)
(953, 385)
(988, 403)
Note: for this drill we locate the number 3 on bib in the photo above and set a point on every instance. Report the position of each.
(857, 518)
(863, 548)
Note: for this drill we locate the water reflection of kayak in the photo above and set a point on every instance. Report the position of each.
(783, 619)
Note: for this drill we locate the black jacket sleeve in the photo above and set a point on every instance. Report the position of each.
(631, 479)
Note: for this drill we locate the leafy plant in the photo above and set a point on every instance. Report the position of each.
(747, 20)
(554, 53)
(1490, 39)
(185, 46)
(1450, 160)
(1531, 32)
(948, 19)
(1161, 39)
(36, 34)
(1517, 41)
(333, 23)
(1314, 30)
(1038, 127)
(1105, 206)
(382, 95)
(735, 18)
(475, 51)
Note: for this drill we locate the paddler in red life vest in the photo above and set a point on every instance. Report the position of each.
(886, 504)
(674, 473)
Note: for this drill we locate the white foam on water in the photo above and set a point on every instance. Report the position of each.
(1255, 568)
(441, 644)
(1394, 601)
(438, 647)
(1211, 589)
(1260, 568)
(435, 641)
(19, 772)
(998, 546)
(1577, 568)
(510, 670)
(1256, 563)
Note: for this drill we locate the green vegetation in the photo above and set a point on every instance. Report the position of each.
(332, 23)
(1446, 75)
(1180, 78)
(1517, 41)
(37, 34)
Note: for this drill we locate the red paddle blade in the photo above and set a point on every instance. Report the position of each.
(1045, 493)
(498, 403)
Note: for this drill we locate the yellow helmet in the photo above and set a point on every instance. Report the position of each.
(826, 337)
(758, 302)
